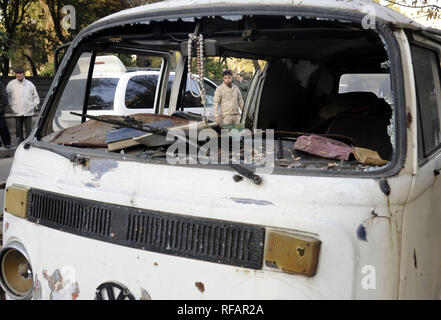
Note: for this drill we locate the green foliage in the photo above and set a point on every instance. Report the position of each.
(155, 62)
(127, 60)
(29, 45)
(431, 9)
(3, 38)
(213, 68)
(3, 42)
(48, 69)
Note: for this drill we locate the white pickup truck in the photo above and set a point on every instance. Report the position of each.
(117, 90)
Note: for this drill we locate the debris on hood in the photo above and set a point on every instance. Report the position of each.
(366, 156)
(127, 137)
(323, 147)
(152, 140)
(333, 149)
(126, 133)
(92, 133)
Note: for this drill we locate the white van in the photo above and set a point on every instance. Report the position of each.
(320, 224)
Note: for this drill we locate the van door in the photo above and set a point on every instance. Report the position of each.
(421, 233)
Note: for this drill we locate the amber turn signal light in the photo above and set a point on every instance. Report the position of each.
(292, 253)
(16, 200)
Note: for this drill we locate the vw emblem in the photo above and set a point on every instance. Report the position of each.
(113, 291)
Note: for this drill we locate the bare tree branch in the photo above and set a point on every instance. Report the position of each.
(415, 6)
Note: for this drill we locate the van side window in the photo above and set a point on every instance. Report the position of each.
(192, 102)
(102, 93)
(140, 92)
(426, 67)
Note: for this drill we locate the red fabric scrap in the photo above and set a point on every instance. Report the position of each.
(323, 147)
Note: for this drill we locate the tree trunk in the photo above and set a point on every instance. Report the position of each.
(5, 63)
(31, 62)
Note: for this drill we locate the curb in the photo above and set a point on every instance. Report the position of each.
(7, 153)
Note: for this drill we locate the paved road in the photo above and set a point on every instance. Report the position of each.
(5, 167)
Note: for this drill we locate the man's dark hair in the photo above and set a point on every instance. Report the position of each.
(227, 73)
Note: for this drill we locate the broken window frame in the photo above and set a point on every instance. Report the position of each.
(94, 49)
(88, 85)
(383, 30)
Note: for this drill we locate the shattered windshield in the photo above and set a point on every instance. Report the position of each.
(250, 98)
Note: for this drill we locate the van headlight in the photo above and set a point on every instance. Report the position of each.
(16, 276)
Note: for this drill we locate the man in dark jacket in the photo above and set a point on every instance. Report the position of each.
(242, 85)
(4, 131)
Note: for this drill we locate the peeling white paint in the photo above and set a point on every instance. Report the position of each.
(145, 295)
(252, 201)
(36, 291)
(99, 167)
(62, 284)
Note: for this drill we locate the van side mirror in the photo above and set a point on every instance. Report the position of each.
(211, 49)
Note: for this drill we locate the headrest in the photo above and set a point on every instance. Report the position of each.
(351, 98)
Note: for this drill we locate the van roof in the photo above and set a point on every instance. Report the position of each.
(189, 10)
(186, 8)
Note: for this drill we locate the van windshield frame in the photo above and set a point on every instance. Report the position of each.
(397, 85)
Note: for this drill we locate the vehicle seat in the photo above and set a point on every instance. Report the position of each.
(363, 117)
(282, 100)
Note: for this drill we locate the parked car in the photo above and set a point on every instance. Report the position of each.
(115, 90)
(358, 217)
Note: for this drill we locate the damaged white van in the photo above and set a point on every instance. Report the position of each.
(345, 101)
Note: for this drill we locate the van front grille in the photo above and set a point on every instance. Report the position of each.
(69, 214)
(218, 242)
(189, 237)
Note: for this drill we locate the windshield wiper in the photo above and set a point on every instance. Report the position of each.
(129, 122)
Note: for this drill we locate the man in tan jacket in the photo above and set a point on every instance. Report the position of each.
(228, 96)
